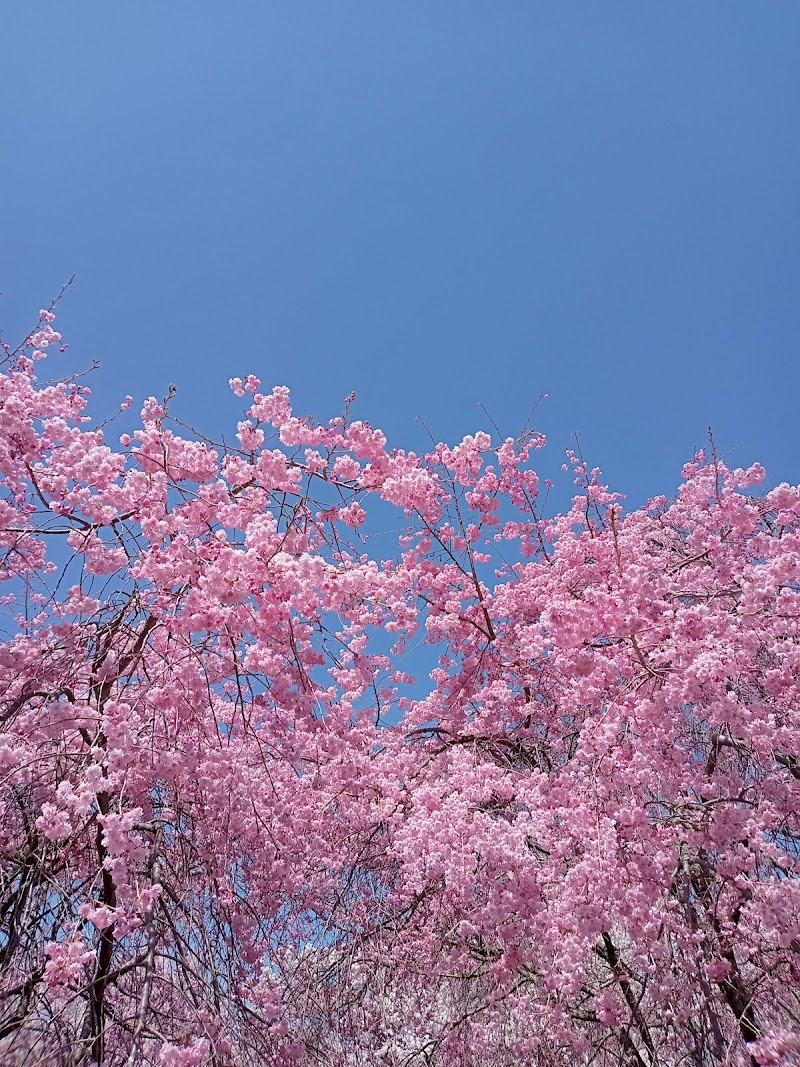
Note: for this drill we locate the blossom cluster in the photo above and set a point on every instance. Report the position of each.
(514, 788)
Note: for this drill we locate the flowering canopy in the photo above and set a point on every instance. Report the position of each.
(236, 830)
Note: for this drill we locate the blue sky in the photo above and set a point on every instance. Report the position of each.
(436, 205)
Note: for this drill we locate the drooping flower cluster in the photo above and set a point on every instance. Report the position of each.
(235, 828)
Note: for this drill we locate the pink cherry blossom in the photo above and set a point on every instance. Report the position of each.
(316, 750)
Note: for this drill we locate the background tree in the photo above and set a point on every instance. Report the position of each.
(236, 830)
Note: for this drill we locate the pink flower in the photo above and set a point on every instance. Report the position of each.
(190, 1054)
(66, 961)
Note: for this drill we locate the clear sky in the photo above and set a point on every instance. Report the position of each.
(435, 204)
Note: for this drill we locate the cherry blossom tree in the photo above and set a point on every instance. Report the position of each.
(237, 830)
